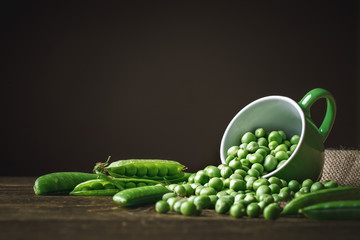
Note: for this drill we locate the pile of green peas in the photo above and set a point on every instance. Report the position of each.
(236, 192)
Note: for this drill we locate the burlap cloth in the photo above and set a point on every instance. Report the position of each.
(342, 166)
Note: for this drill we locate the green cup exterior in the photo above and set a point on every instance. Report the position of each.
(282, 113)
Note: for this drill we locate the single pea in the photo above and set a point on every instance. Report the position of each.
(236, 176)
(258, 167)
(230, 198)
(141, 184)
(330, 184)
(284, 196)
(266, 198)
(259, 182)
(293, 147)
(180, 191)
(298, 194)
(226, 182)
(152, 170)
(213, 199)
(237, 184)
(273, 144)
(275, 180)
(262, 142)
(188, 208)
(254, 173)
(242, 153)
(171, 201)
(260, 132)
(275, 136)
(245, 168)
(216, 183)
(285, 189)
(282, 134)
(222, 205)
(235, 164)
(248, 137)
(226, 172)
(240, 172)
(281, 155)
(202, 201)
(294, 185)
(287, 143)
(191, 178)
(274, 188)
(163, 171)
(289, 153)
(86, 188)
(281, 147)
(130, 170)
(252, 147)
(207, 191)
(262, 151)
(249, 184)
(162, 206)
(237, 210)
(249, 178)
(243, 146)
(295, 139)
(97, 186)
(280, 164)
(177, 205)
(253, 210)
(250, 199)
(272, 211)
(316, 186)
(256, 158)
(189, 189)
(212, 171)
(283, 183)
(245, 163)
(239, 196)
(265, 148)
(201, 178)
(276, 197)
(263, 189)
(141, 170)
(198, 189)
(166, 196)
(305, 189)
(221, 166)
(270, 163)
(262, 205)
(233, 150)
(109, 186)
(307, 183)
(130, 185)
(222, 193)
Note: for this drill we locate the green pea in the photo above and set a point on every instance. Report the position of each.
(236, 176)
(86, 188)
(202, 201)
(262, 142)
(141, 184)
(237, 210)
(275, 136)
(171, 201)
(233, 150)
(237, 184)
(198, 189)
(130, 185)
(295, 139)
(221, 193)
(227, 182)
(283, 183)
(240, 172)
(316, 186)
(280, 164)
(260, 132)
(252, 147)
(276, 197)
(307, 183)
(272, 145)
(258, 167)
(294, 185)
(201, 178)
(189, 189)
(212, 171)
(261, 151)
(162, 171)
(272, 211)
(171, 187)
(191, 178)
(281, 155)
(275, 180)
(141, 170)
(284, 196)
(239, 196)
(130, 170)
(222, 206)
(188, 208)
(243, 145)
(250, 199)
(216, 183)
(162, 206)
(270, 163)
(330, 184)
(208, 191)
(259, 182)
(180, 190)
(282, 134)
(242, 153)
(305, 189)
(245, 163)
(166, 196)
(287, 143)
(213, 199)
(274, 188)
(254, 173)
(221, 166)
(229, 158)
(281, 147)
(256, 158)
(263, 189)
(249, 184)
(235, 164)
(109, 186)
(152, 170)
(172, 170)
(293, 147)
(177, 205)
(226, 172)
(253, 210)
(248, 137)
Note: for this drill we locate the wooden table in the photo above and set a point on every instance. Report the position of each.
(23, 215)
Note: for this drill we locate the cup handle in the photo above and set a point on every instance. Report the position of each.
(310, 98)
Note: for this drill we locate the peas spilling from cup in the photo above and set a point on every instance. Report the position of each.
(261, 152)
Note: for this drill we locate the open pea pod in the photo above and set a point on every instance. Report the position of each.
(100, 187)
(154, 169)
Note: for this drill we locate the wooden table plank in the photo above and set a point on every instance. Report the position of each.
(23, 215)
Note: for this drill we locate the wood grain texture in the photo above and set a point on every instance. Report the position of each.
(23, 215)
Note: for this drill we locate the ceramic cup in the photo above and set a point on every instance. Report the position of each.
(283, 113)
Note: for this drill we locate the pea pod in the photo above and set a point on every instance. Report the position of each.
(140, 195)
(100, 187)
(60, 183)
(147, 169)
(182, 179)
(325, 195)
(335, 210)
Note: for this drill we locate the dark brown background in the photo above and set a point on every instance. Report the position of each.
(82, 80)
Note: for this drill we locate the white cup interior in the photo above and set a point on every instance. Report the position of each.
(270, 113)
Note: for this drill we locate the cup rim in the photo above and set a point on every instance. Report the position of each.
(272, 97)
